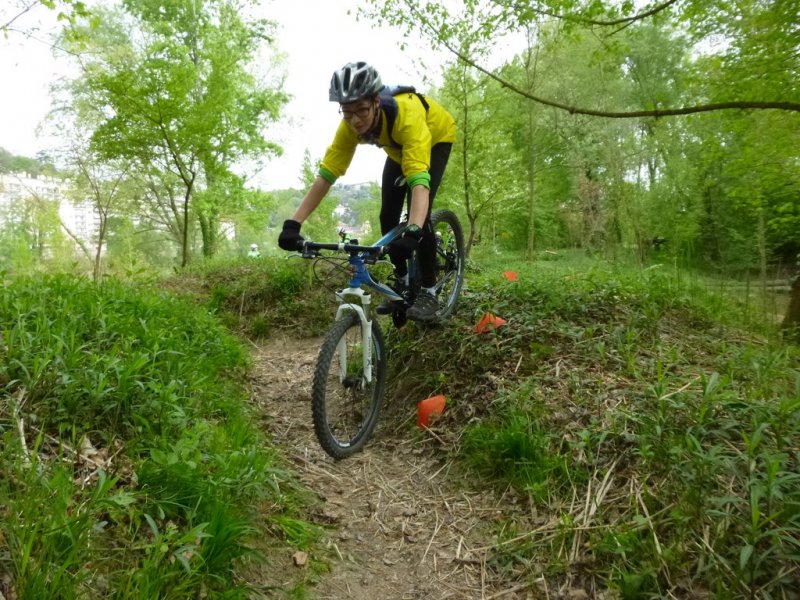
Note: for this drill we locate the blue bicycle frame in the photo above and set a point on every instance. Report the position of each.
(358, 258)
(360, 278)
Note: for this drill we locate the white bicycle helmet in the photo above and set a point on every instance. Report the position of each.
(354, 81)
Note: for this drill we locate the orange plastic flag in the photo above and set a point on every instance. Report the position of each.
(489, 322)
(510, 275)
(428, 408)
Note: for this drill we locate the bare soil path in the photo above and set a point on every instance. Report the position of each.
(399, 524)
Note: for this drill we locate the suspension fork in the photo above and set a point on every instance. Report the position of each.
(366, 331)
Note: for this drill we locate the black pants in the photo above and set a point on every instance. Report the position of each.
(393, 198)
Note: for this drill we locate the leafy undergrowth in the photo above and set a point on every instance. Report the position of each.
(655, 441)
(264, 297)
(131, 464)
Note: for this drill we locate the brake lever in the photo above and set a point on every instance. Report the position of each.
(377, 256)
(307, 252)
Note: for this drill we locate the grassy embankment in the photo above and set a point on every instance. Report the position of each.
(653, 439)
(131, 467)
(650, 425)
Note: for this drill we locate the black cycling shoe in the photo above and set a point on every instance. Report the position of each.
(424, 308)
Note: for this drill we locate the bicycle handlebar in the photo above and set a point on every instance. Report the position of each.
(310, 249)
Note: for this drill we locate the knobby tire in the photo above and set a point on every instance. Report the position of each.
(345, 417)
(449, 260)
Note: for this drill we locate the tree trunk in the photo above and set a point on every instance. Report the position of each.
(791, 322)
(531, 64)
(185, 241)
(531, 246)
(471, 236)
(465, 164)
(101, 236)
(493, 226)
(208, 230)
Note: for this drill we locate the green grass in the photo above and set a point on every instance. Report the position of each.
(650, 426)
(654, 434)
(265, 297)
(131, 467)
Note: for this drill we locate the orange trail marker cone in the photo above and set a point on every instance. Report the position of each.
(427, 408)
(489, 322)
(510, 275)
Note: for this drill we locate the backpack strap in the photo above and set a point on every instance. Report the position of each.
(389, 105)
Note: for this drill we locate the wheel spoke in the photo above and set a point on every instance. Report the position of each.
(345, 405)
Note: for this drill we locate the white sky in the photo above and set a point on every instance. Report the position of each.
(317, 40)
(317, 37)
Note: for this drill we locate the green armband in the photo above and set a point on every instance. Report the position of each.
(327, 175)
(423, 178)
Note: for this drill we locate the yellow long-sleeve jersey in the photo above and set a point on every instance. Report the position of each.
(414, 133)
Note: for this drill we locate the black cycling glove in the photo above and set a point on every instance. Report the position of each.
(402, 247)
(290, 238)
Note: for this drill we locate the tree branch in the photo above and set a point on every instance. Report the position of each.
(17, 16)
(622, 20)
(76, 239)
(434, 32)
(665, 112)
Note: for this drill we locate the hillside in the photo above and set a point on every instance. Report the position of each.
(629, 437)
(622, 435)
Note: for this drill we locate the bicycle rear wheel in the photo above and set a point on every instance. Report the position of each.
(449, 260)
(345, 401)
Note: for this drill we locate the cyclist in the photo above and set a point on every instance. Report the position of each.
(417, 137)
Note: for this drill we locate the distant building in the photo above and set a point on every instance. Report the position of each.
(80, 218)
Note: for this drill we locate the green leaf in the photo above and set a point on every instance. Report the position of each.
(123, 499)
(744, 556)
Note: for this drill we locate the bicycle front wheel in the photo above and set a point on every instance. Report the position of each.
(348, 386)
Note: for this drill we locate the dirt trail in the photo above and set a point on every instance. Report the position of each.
(399, 526)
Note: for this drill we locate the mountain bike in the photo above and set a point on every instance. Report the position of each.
(350, 374)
